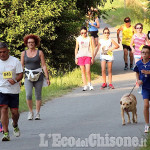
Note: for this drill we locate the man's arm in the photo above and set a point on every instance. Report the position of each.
(118, 32)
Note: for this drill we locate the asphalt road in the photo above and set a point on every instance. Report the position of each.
(86, 118)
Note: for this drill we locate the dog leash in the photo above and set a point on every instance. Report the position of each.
(132, 89)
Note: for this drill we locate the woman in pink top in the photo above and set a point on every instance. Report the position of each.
(138, 39)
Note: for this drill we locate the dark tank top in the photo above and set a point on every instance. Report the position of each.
(33, 63)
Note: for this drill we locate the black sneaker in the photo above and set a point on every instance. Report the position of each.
(126, 67)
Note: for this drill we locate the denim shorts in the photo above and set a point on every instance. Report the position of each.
(106, 60)
(146, 94)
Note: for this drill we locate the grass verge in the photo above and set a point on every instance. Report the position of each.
(116, 14)
(60, 85)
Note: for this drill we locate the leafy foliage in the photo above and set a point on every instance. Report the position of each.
(57, 22)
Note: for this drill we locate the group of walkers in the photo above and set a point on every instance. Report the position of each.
(11, 73)
(87, 46)
(134, 42)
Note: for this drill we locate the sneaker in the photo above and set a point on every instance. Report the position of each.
(146, 129)
(30, 116)
(90, 86)
(37, 117)
(6, 137)
(111, 86)
(126, 67)
(131, 66)
(16, 132)
(84, 88)
(104, 85)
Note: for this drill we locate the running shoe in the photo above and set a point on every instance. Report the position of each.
(37, 116)
(30, 116)
(146, 130)
(131, 66)
(16, 130)
(6, 137)
(111, 86)
(90, 86)
(84, 88)
(126, 67)
(104, 85)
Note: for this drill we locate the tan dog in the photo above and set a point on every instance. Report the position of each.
(128, 104)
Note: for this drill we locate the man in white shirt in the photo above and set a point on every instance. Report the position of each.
(11, 73)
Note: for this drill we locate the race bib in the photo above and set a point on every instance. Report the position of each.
(7, 75)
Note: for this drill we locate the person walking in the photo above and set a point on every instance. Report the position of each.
(106, 46)
(142, 69)
(84, 57)
(33, 61)
(93, 26)
(127, 33)
(139, 39)
(11, 73)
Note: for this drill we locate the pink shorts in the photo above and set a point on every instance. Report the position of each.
(84, 60)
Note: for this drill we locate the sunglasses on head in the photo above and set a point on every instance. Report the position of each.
(83, 32)
(106, 33)
(139, 28)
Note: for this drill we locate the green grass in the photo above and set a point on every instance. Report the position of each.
(117, 13)
(60, 85)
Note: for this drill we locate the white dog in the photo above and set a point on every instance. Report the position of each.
(128, 104)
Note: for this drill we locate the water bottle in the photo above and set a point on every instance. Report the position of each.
(140, 89)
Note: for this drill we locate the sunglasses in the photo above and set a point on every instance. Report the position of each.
(83, 32)
(139, 28)
(106, 33)
(126, 21)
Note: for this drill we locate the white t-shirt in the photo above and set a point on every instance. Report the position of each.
(84, 47)
(11, 66)
(105, 45)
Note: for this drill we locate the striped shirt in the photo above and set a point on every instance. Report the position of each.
(138, 41)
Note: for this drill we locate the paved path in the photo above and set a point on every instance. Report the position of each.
(80, 114)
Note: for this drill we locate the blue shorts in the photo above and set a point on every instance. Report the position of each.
(146, 94)
(12, 100)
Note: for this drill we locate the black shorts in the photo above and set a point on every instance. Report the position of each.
(12, 100)
(126, 47)
(93, 33)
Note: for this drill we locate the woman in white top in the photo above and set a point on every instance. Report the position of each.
(84, 56)
(106, 56)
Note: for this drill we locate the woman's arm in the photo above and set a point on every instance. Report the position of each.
(97, 49)
(43, 64)
(131, 44)
(147, 40)
(116, 46)
(22, 59)
(76, 51)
